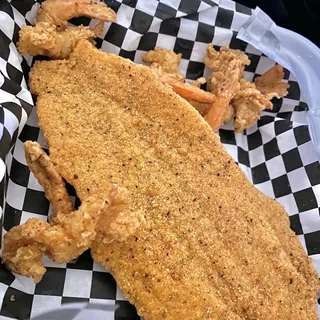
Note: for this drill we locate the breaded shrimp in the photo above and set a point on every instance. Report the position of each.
(58, 12)
(25, 245)
(167, 59)
(51, 37)
(271, 81)
(46, 173)
(45, 39)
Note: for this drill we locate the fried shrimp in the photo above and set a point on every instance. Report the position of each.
(52, 37)
(45, 39)
(189, 91)
(227, 69)
(248, 104)
(236, 97)
(222, 63)
(226, 92)
(43, 169)
(72, 234)
(167, 59)
(271, 81)
(58, 12)
(185, 90)
(255, 97)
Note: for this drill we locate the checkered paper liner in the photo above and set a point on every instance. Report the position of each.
(276, 154)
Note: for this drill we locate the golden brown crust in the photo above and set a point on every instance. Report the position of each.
(271, 82)
(167, 59)
(248, 104)
(51, 35)
(72, 234)
(45, 39)
(166, 75)
(198, 82)
(57, 12)
(46, 174)
(219, 60)
(228, 113)
(225, 90)
(193, 258)
(246, 99)
(201, 107)
(223, 63)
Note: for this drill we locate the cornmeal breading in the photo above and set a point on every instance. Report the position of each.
(212, 246)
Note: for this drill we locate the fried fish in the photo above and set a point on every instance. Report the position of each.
(210, 245)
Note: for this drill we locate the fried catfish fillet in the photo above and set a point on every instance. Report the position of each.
(212, 245)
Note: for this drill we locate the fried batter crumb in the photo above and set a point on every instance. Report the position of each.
(271, 81)
(167, 59)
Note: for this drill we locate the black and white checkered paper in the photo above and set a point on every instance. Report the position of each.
(276, 154)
